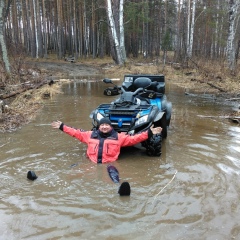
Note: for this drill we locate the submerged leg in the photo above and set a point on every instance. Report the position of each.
(124, 189)
(113, 173)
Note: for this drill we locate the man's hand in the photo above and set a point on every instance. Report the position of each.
(56, 124)
(156, 130)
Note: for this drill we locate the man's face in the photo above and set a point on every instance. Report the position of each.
(105, 128)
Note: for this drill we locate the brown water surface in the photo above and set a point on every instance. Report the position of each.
(191, 192)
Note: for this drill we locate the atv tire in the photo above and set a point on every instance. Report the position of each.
(109, 92)
(154, 145)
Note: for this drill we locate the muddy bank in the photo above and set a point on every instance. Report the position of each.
(23, 107)
(67, 70)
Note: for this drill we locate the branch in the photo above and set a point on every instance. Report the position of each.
(165, 186)
(224, 117)
(12, 94)
(235, 119)
(4, 144)
(214, 86)
(232, 99)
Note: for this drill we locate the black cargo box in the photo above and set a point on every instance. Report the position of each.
(157, 78)
(129, 79)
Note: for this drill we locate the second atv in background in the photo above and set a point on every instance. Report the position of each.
(112, 91)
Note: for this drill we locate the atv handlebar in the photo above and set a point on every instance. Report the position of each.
(133, 93)
(127, 98)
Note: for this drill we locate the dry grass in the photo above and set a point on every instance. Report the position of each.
(25, 106)
(36, 96)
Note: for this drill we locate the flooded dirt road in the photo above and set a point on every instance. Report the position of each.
(191, 192)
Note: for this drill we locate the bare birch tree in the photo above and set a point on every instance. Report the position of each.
(188, 24)
(2, 38)
(119, 59)
(231, 49)
(121, 34)
(191, 28)
(39, 27)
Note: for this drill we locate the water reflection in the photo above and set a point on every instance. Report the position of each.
(190, 192)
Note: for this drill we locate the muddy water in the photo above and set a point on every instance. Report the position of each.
(191, 192)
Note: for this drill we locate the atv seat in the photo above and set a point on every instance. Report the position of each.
(141, 82)
(145, 82)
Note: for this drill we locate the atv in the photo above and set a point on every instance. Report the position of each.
(141, 104)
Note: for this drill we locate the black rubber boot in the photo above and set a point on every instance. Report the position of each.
(31, 175)
(124, 189)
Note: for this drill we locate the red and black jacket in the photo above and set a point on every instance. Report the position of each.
(104, 148)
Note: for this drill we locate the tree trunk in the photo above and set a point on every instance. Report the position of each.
(35, 27)
(2, 39)
(188, 25)
(25, 26)
(75, 46)
(15, 29)
(39, 29)
(233, 8)
(33, 30)
(121, 27)
(44, 20)
(113, 34)
(93, 27)
(85, 28)
(190, 47)
(178, 35)
(60, 29)
(28, 30)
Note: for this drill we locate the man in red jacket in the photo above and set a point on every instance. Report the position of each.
(105, 143)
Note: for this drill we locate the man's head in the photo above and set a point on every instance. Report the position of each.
(105, 125)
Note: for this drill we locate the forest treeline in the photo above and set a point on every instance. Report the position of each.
(206, 29)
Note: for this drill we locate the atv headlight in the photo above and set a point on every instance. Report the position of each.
(99, 116)
(142, 120)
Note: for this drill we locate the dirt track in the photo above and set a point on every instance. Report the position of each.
(66, 69)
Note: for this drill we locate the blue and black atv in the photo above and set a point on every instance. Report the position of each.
(141, 104)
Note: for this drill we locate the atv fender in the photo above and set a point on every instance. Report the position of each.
(162, 122)
(159, 116)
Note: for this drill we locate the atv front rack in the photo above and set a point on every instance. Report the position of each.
(109, 109)
(123, 119)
